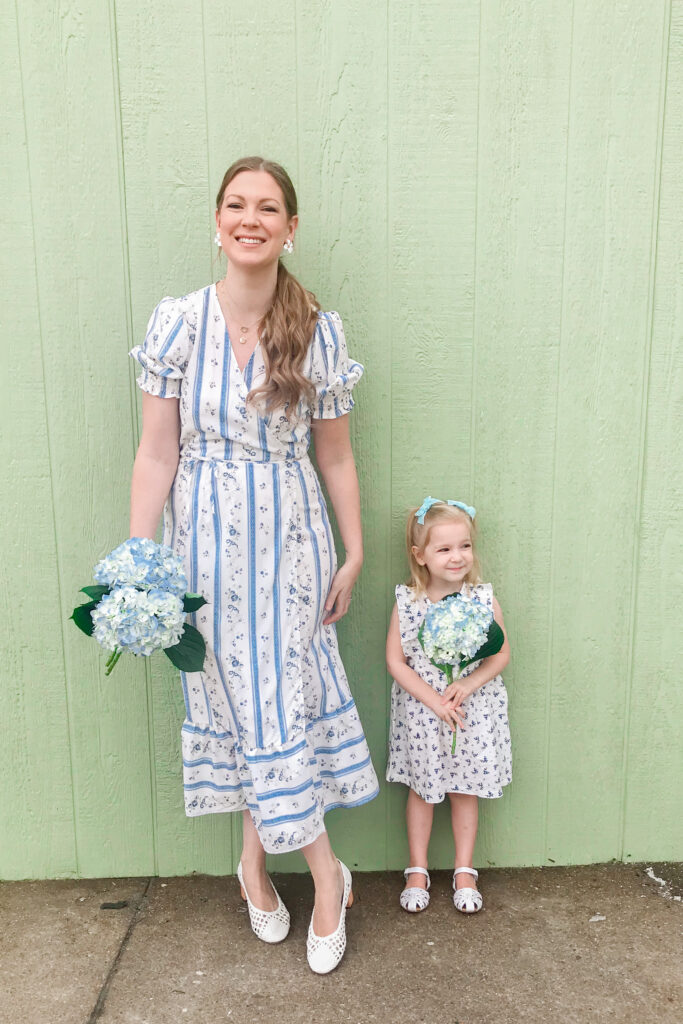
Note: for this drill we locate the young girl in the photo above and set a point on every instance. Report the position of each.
(425, 711)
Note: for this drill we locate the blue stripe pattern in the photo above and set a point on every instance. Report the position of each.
(201, 351)
(251, 547)
(276, 755)
(225, 385)
(277, 630)
(247, 515)
(216, 765)
(329, 774)
(217, 613)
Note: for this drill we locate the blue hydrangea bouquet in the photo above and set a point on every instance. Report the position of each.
(456, 631)
(139, 604)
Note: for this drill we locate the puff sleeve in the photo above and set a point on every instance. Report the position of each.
(333, 373)
(165, 352)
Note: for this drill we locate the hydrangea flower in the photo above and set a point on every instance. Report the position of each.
(457, 631)
(139, 605)
(138, 621)
(142, 563)
(454, 629)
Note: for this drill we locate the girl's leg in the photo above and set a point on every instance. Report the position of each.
(328, 882)
(464, 819)
(254, 873)
(419, 818)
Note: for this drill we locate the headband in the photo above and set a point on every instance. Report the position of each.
(428, 502)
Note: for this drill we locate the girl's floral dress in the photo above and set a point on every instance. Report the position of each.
(420, 742)
(270, 724)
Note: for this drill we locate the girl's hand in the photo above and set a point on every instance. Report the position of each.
(458, 691)
(339, 597)
(450, 714)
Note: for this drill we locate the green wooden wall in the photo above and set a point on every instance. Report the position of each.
(491, 195)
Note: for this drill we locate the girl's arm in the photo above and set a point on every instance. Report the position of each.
(337, 467)
(411, 682)
(155, 463)
(491, 667)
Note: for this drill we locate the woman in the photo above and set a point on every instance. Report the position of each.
(235, 379)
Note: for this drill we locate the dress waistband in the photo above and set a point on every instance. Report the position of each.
(187, 457)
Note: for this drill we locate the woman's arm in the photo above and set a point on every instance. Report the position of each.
(337, 467)
(491, 667)
(155, 463)
(412, 683)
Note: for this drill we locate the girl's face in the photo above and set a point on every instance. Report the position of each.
(448, 555)
(252, 220)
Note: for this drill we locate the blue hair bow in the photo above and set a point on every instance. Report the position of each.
(428, 502)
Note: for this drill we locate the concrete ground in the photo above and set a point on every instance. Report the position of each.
(552, 945)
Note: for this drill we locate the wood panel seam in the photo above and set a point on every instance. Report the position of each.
(553, 520)
(642, 452)
(62, 623)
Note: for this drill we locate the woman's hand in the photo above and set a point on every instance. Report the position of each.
(339, 597)
(458, 691)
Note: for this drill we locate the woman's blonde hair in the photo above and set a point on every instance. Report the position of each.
(288, 326)
(417, 535)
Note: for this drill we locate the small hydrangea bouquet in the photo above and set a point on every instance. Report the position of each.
(139, 605)
(457, 631)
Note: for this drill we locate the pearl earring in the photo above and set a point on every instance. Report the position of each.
(288, 246)
(217, 239)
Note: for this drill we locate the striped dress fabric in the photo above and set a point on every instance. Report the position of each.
(270, 723)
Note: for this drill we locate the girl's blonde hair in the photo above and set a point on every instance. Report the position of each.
(417, 535)
(288, 326)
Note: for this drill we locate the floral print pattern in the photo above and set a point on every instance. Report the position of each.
(270, 723)
(420, 742)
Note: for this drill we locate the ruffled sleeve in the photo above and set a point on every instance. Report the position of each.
(165, 352)
(332, 372)
(411, 612)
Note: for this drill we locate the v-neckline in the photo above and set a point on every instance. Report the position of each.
(242, 371)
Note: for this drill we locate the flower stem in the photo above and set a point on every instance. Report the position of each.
(111, 661)
(449, 677)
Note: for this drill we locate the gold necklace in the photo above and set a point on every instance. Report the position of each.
(244, 328)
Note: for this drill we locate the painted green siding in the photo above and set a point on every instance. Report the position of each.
(491, 195)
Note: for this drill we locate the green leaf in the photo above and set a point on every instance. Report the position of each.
(188, 654)
(82, 617)
(96, 592)
(191, 602)
(492, 644)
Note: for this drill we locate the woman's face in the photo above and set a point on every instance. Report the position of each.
(252, 220)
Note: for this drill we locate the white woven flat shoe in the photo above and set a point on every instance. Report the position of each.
(325, 952)
(466, 900)
(267, 925)
(415, 899)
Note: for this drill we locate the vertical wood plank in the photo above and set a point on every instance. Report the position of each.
(525, 52)
(239, 117)
(71, 126)
(341, 111)
(433, 102)
(611, 179)
(36, 806)
(479, 190)
(162, 63)
(654, 748)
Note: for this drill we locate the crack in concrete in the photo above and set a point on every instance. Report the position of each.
(104, 991)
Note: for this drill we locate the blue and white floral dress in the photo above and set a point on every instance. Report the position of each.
(420, 742)
(270, 723)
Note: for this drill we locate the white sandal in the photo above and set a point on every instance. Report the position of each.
(415, 898)
(267, 925)
(324, 952)
(466, 900)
